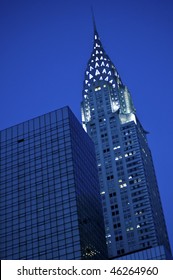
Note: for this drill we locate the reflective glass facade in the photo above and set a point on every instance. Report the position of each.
(49, 185)
(153, 253)
(131, 203)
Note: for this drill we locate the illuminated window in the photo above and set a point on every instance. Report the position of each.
(97, 88)
(102, 193)
(97, 72)
(90, 76)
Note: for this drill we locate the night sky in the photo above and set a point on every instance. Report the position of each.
(44, 50)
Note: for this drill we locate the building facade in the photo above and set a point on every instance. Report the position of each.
(133, 215)
(49, 184)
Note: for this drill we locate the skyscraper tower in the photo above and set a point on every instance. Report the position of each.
(47, 191)
(134, 221)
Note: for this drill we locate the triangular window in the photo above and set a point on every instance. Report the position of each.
(96, 65)
(111, 81)
(96, 59)
(102, 64)
(109, 73)
(97, 45)
(97, 72)
(101, 58)
(107, 65)
(106, 79)
(101, 78)
(90, 76)
(97, 52)
(91, 68)
(104, 70)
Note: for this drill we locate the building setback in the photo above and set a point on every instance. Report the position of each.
(50, 204)
(134, 221)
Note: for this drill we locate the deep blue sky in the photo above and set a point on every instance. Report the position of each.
(45, 46)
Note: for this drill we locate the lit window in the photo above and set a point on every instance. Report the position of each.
(90, 76)
(97, 72)
(97, 88)
(102, 193)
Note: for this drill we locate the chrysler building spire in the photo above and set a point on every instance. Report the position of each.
(133, 216)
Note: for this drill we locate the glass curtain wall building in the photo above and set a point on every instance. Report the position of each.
(133, 215)
(49, 184)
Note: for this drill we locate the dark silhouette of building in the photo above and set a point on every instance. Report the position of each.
(50, 204)
(134, 221)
